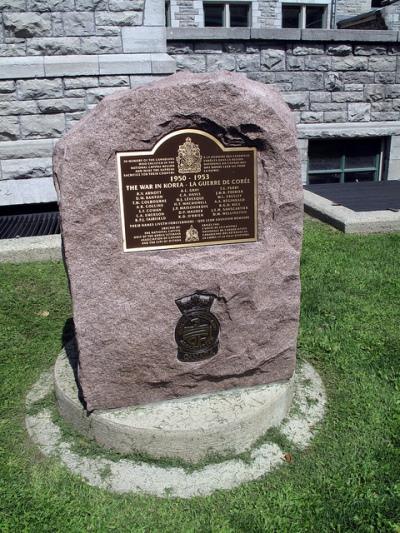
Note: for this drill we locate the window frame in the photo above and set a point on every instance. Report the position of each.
(226, 16)
(378, 167)
(168, 21)
(302, 5)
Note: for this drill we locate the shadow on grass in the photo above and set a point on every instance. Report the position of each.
(70, 346)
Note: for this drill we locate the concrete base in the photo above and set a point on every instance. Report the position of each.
(25, 249)
(133, 476)
(350, 221)
(191, 429)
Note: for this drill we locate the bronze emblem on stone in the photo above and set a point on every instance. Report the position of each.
(197, 331)
(192, 235)
(189, 157)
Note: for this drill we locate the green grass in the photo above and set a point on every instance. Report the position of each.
(347, 480)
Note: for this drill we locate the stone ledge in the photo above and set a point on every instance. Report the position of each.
(348, 220)
(343, 129)
(208, 34)
(237, 34)
(21, 67)
(28, 249)
(370, 36)
(279, 34)
(85, 65)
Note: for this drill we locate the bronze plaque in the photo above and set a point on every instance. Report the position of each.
(188, 191)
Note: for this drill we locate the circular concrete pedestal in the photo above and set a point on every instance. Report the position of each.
(186, 428)
(131, 475)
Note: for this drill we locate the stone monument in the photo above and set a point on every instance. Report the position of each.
(181, 210)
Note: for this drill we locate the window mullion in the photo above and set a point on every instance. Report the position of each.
(342, 167)
(328, 171)
(379, 162)
(227, 16)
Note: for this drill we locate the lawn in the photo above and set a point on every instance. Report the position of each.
(347, 480)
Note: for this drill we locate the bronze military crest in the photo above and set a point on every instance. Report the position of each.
(189, 157)
(197, 331)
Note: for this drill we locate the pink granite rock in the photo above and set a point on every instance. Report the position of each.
(124, 303)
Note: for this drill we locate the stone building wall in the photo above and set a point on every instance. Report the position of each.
(349, 88)
(391, 15)
(189, 13)
(58, 58)
(52, 72)
(186, 13)
(351, 8)
(322, 82)
(267, 13)
(57, 27)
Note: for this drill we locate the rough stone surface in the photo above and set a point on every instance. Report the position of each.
(124, 303)
(42, 126)
(37, 167)
(37, 89)
(27, 24)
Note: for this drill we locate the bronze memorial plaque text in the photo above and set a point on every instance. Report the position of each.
(188, 191)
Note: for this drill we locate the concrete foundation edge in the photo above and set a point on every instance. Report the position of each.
(135, 476)
(28, 249)
(350, 221)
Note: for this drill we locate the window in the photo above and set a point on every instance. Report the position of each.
(344, 160)
(228, 15)
(168, 14)
(304, 16)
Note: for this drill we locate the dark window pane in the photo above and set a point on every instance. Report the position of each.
(214, 15)
(359, 176)
(360, 161)
(361, 153)
(291, 17)
(239, 15)
(325, 162)
(315, 16)
(357, 154)
(313, 179)
(325, 155)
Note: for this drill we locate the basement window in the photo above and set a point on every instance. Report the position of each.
(304, 16)
(345, 160)
(226, 15)
(32, 220)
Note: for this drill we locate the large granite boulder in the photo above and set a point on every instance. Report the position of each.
(124, 302)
